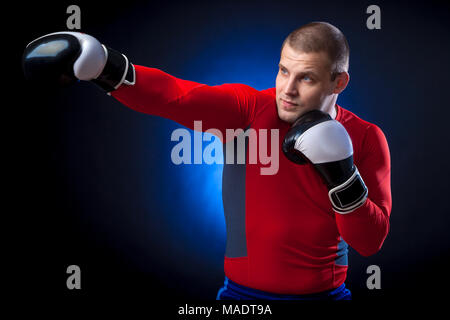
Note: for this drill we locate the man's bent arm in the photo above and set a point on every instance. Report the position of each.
(366, 228)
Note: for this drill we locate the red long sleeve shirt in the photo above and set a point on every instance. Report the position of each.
(282, 233)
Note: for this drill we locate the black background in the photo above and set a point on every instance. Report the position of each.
(399, 81)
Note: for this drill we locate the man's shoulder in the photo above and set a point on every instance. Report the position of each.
(349, 118)
(245, 90)
(359, 128)
(270, 92)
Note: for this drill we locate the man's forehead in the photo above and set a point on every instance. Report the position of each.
(305, 60)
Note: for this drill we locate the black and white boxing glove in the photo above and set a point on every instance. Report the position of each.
(64, 57)
(318, 139)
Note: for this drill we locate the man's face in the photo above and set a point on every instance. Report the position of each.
(303, 83)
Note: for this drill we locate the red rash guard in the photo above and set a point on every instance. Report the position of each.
(282, 233)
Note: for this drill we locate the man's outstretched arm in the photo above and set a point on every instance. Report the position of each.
(65, 57)
(227, 106)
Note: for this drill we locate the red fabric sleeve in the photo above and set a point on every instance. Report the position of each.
(366, 228)
(227, 106)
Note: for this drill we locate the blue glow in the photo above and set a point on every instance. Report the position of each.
(195, 210)
(200, 218)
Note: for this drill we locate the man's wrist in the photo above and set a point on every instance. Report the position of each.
(117, 71)
(349, 195)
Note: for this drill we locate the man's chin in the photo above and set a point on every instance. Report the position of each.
(287, 116)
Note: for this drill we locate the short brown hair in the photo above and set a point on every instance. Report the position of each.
(321, 36)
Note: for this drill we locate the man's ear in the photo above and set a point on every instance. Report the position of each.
(341, 82)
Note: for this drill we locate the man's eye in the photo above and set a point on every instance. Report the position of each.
(306, 78)
(283, 71)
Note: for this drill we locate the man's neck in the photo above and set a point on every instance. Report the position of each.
(332, 109)
(333, 112)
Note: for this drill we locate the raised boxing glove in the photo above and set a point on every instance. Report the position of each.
(318, 139)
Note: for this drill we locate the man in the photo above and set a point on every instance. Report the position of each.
(287, 233)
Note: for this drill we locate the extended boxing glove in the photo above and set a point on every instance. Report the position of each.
(64, 57)
(318, 139)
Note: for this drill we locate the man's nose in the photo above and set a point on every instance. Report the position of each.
(290, 87)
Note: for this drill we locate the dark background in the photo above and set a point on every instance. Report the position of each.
(92, 181)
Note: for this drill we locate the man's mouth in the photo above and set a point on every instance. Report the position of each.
(288, 105)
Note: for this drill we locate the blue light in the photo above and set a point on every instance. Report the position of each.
(200, 228)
